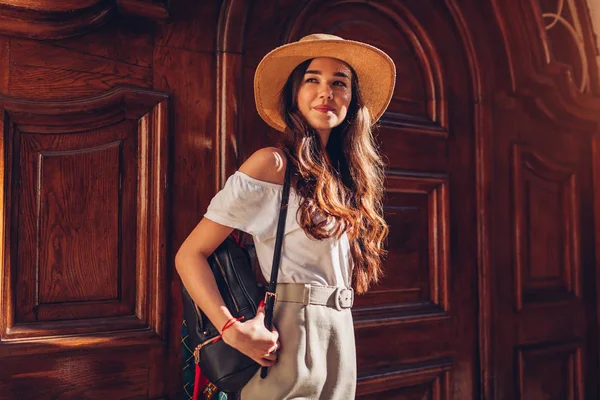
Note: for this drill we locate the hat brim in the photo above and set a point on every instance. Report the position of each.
(375, 70)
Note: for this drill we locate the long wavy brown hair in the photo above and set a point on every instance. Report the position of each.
(341, 186)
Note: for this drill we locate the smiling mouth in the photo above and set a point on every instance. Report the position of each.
(323, 109)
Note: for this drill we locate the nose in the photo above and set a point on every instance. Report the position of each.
(326, 92)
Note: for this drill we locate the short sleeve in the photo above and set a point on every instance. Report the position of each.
(247, 204)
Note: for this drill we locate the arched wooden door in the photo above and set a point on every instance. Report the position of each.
(417, 331)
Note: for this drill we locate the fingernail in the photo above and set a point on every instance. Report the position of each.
(262, 304)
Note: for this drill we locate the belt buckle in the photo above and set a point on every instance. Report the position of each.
(344, 298)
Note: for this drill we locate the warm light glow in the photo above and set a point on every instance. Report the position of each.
(594, 6)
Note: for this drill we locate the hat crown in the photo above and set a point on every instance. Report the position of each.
(319, 36)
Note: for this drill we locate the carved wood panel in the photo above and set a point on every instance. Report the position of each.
(85, 217)
(544, 342)
(428, 381)
(73, 260)
(546, 230)
(550, 371)
(417, 273)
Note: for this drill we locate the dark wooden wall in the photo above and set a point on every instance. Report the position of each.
(122, 118)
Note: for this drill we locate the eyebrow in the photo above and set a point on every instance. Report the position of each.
(317, 72)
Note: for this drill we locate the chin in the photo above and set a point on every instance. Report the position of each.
(321, 125)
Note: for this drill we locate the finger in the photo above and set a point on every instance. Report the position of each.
(260, 316)
(265, 362)
(260, 309)
(272, 355)
(275, 335)
(273, 348)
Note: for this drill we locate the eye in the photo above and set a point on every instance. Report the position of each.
(311, 80)
(340, 83)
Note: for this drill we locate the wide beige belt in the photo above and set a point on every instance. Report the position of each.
(335, 297)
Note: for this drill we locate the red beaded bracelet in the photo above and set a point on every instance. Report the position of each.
(228, 324)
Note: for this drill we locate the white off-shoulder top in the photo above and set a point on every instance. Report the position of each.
(252, 206)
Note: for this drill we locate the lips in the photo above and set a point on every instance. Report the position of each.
(323, 108)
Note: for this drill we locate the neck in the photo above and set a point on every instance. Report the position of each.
(324, 135)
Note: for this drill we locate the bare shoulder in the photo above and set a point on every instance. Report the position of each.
(266, 164)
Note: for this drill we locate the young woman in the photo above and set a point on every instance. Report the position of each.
(323, 93)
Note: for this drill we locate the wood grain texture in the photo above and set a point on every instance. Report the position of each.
(189, 79)
(136, 337)
(416, 284)
(544, 241)
(473, 80)
(78, 219)
(428, 380)
(551, 369)
(29, 53)
(57, 84)
(230, 61)
(72, 209)
(49, 5)
(40, 20)
(74, 68)
(4, 64)
(232, 26)
(124, 374)
(150, 9)
(547, 264)
(194, 26)
(123, 41)
(68, 222)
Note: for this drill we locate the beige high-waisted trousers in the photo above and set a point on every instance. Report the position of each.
(317, 358)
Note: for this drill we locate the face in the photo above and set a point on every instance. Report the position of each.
(325, 94)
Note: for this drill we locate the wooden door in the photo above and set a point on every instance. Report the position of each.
(491, 143)
(83, 291)
(416, 331)
(544, 343)
(545, 335)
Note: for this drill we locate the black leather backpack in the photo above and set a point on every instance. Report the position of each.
(223, 365)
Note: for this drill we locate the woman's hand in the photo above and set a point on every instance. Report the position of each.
(254, 340)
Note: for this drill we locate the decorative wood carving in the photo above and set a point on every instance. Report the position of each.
(428, 380)
(549, 86)
(546, 230)
(565, 33)
(48, 19)
(85, 244)
(417, 266)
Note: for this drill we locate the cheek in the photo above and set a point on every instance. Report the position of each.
(303, 99)
(347, 97)
(344, 103)
(344, 97)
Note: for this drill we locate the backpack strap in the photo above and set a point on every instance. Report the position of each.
(270, 296)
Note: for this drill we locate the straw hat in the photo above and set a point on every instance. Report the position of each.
(375, 70)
